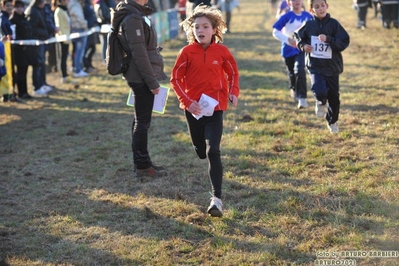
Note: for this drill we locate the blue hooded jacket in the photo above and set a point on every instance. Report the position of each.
(2, 56)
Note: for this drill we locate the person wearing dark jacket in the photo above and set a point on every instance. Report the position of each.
(90, 50)
(103, 15)
(323, 39)
(138, 35)
(6, 34)
(23, 31)
(362, 6)
(389, 11)
(36, 18)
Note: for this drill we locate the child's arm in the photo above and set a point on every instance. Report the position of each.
(178, 81)
(339, 41)
(283, 38)
(302, 39)
(278, 34)
(231, 70)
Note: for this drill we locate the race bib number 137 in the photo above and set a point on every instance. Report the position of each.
(320, 49)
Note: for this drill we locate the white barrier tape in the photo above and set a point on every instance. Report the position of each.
(63, 38)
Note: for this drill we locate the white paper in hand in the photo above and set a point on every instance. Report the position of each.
(208, 106)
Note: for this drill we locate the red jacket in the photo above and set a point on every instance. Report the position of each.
(212, 71)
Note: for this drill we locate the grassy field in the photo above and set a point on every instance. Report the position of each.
(293, 193)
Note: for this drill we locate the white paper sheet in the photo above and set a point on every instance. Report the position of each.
(159, 101)
(208, 106)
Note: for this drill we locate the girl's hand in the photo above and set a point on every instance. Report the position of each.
(233, 99)
(195, 108)
(292, 42)
(323, 37)
(307, 48)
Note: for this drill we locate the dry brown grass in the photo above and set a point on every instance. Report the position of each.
(68, 196)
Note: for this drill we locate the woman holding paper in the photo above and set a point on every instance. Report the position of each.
(145, 71)
(204, 78)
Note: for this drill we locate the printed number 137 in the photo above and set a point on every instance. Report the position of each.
(321, 47)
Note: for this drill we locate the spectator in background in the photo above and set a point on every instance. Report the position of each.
(90, 49)
(62, 21)
(2, 59)
(362, 6)
(389, 10)
(36, 18)
(5, 22)
(227, 6)
(49, 48)
(7, 7)
(103, 15)
(181, 9)
(23, 31)
(377, 7)
(6, 35)
(189, 8)
(6, 72)
(78, 25)
(203, 2)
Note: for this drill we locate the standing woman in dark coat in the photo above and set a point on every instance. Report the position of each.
(23, 31)
(35, 15)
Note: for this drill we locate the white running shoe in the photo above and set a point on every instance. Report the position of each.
(302, 103)
(333, 128)
(47, 88)
(320, 109)
(81, 74)
(40, 92)
(215, 208)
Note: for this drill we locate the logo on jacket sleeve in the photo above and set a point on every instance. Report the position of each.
(138, 32)
(215, 62)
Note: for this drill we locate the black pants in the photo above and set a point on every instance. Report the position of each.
(326, 89)
(361, 16)
(21, 80)
(90, 51)
(52, 57)
(62, 56)
(143, 103)
(206, 134)
(39, 71)
(390, 15)
(297, 74)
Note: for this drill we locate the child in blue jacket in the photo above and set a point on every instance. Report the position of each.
(294, 59)
(323, 39)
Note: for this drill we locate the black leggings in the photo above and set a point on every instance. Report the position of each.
(206, 134)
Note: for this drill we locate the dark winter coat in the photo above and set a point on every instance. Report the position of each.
(37, 21)
(337, 38)
(138, 36)
(23, 31)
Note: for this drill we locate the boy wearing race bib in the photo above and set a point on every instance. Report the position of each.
(323, 39)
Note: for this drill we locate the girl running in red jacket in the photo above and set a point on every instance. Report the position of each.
(206, 74)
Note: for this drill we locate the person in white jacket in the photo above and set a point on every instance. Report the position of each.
(62, 21)
(78, 24)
